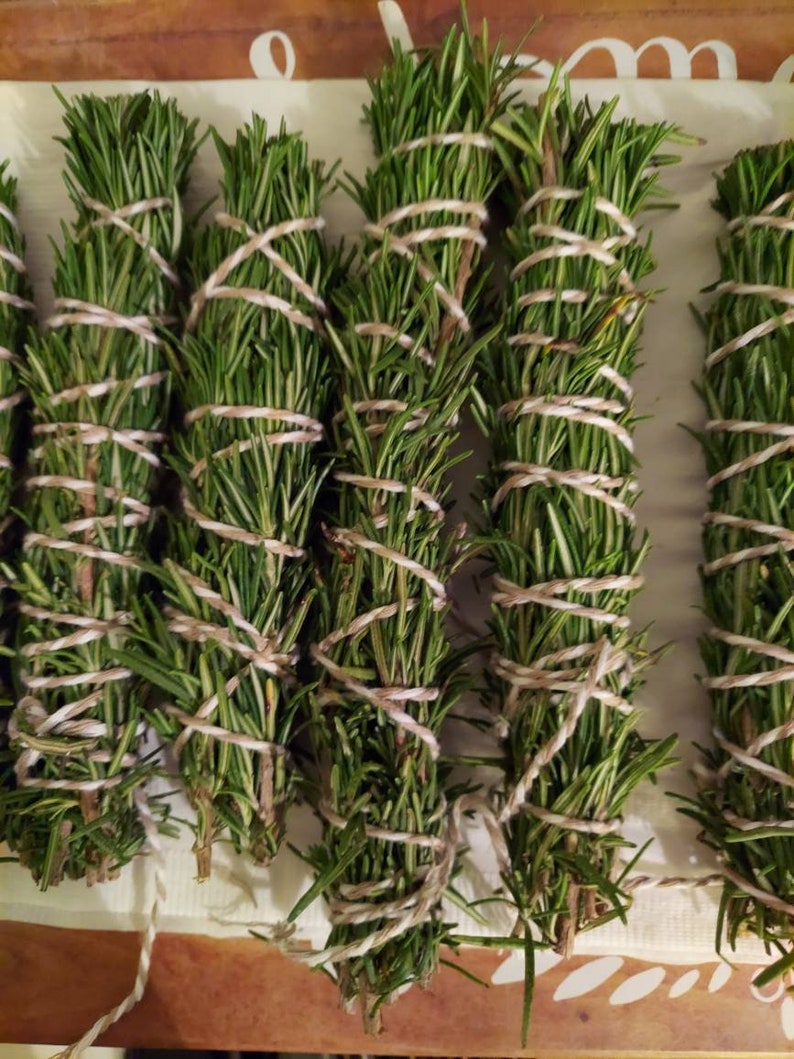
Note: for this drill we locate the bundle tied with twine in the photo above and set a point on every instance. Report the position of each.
(15, 316)
(747, 387)
(237, 574)
(556, 403)
(404, 347)
(98, 381)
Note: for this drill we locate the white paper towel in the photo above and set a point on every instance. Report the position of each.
(665, 925)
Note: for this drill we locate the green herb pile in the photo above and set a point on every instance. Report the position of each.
(556, 404)
(747, 388)
(404, 346)
(98, 381)
(238, 575)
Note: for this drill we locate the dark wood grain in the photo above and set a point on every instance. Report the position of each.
(189, 39)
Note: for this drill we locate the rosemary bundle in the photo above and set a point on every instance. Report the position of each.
(15, 307)
(99, 386)
(238, 578)
(556, 403)
(404, 348)
(747, 387)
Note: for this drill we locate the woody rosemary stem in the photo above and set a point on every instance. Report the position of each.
(747, 387)
(15, 317)
(97, 376)
(404, 349)
(252, 388)
(556, 403)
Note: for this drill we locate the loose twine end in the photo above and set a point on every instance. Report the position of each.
(155, 852)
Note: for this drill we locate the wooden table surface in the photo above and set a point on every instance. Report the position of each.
(243, 994)
(187, 39)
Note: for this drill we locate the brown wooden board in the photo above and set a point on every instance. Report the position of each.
(244, 994)
(191, 39)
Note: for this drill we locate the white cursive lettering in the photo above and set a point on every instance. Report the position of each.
(263, 61)
(625, 57)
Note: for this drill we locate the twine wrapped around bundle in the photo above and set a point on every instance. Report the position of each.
(747, 387)
(238, 576)
(404, 348)
(98, 381)
(15, 317)
(556, 403)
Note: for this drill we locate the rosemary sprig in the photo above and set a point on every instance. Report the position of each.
(747, 388)
(555, 403)
(98, 382)
(252, 388)
(403, 356)
(15, 307)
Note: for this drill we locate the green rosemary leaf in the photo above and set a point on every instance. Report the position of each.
(469, 975)
(487, 942)
(349, 847)
(529, 986)
(403, 355)
(156, 676)
(252, 387)
(555, 402)
(456, 898)
(743, 805)
(98, 382)
(774, 971)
